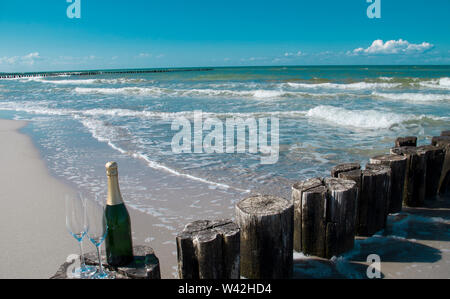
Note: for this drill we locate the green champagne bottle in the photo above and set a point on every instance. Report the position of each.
(118, 243)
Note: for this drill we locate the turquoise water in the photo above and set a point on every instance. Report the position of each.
(328, 115)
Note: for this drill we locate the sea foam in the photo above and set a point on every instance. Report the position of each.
(441, 83)
(259, 94)
(349, 86)
(367, 119)
(413, 97)
(105, 133)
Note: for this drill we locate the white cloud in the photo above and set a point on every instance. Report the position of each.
(253, 59)
(288, 54)
(144, 55)
(393, 47)
(9, 60)
(28, 59)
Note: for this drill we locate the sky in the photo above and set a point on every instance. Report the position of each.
(38, 35)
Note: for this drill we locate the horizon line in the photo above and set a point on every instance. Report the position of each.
(212, 67)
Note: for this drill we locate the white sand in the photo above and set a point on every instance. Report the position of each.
(33, 238)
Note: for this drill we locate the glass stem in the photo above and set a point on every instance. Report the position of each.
(99, 260)
(83, 264)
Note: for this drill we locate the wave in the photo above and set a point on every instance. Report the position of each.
(349, 86)
(369, 119)
(205, 92)
(145, 114)
(441, 83)
(187, 114)
(91, 81)
(103, 132)
(69, 82)
(376, 83)
(123, 90)
(46, 80)
(362, 119)
(22, 78)
(158, 91)
(413, 97)
(19, 107)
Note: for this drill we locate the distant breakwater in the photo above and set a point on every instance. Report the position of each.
(95, 73)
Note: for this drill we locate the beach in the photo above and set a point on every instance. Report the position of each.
(32, 222)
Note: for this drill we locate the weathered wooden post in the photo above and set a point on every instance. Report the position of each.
(434, 156)
(444, 182)
(397, 164)
(372, 209)
(313, 188)
(309, 198)
(341, 215)
(356, 176)
(415, 182)
(346, 167)
(266, 224)
(325, 212)
(384, 205)
(209, 249)
(406, 141)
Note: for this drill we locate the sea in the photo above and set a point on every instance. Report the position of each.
(327, 115)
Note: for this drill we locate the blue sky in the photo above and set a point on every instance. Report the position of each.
(38, 35)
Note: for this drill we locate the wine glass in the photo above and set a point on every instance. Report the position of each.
(97, 233)
(76, 224)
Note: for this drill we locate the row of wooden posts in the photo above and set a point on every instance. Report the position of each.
(95, 73)
(322, 218)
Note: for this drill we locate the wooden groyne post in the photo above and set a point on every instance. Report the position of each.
(372, 213)
(341, 215)
(444, 142)
(325, 212)
(397, 164)
(309, 198)
(346, 167)
(266, 224)
(434, 156)
(415, 181)
(209, 250)
(406, 141)
(372, 200)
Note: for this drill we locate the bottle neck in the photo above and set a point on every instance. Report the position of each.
(114, 195)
